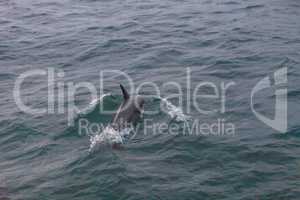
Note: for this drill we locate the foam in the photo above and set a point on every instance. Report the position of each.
(108, 136)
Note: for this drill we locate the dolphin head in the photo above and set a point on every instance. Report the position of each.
(139, 103)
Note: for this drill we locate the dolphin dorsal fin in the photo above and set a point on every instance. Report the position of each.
(125, 93)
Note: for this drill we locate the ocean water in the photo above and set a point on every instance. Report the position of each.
(43, 156)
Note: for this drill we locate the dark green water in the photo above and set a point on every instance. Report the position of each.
(219, 41)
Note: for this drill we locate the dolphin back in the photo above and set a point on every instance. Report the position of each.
(128, 112)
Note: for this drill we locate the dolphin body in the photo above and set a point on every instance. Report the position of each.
(129, 111)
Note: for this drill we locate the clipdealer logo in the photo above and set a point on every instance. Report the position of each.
(279, 123)
(278, 81)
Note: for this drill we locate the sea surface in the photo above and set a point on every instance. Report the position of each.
(44, 156)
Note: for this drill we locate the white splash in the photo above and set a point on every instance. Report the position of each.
(174, 112)
(93, 104)
(108, 136)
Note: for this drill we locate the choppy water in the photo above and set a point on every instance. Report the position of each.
(220, 41)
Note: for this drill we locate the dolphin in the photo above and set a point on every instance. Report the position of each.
(129, 111)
